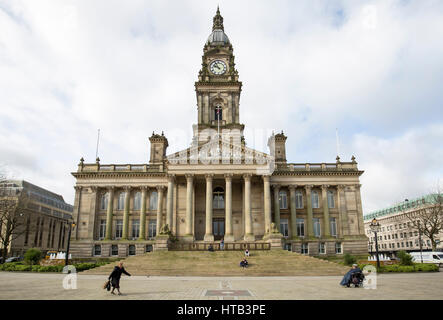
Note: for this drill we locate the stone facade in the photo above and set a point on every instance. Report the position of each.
(397, 231)
(45, 219)
(218, 188)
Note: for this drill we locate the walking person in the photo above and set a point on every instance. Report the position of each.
(115, 277)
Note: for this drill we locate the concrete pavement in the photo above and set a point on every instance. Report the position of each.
(408, 286)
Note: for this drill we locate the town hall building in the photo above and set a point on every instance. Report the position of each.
(218, 188)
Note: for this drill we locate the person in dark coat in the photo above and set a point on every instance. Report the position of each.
(115, 277)
(346, 281)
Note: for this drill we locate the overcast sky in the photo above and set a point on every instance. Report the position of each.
(372, 69)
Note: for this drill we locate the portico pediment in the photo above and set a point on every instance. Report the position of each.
(220, 155)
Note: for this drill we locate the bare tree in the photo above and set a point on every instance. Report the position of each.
(428, 220)
(12, 215)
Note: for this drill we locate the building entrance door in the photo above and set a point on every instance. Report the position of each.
(218, 227)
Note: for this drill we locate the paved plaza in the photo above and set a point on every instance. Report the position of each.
(50, 286)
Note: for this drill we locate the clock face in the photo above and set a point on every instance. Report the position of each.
(218, 67)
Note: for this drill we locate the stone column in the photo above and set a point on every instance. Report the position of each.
(343, 222)
(293, 207)
(125, 233)
(309, 216)
(229, 235)
(142, 235)
(77, 203)
(189, 184)
(92, 230)
(361, 225)
(249, 236)
(160, 190)
(109, 214)
(277, 206)
(324, 194)
(208, 231)
(267, 203)
(170, 201)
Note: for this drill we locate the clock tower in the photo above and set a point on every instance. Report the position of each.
(218, 89)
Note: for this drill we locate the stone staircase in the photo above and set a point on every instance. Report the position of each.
(225, 263)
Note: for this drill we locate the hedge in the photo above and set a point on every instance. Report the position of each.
(17, 266)
(416, 267)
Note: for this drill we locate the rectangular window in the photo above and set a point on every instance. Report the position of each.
(338, 249)
(153, 199)
(283, 200)
(304, 248)
(114, 250)
(300, 227)
(135, 229)
(131, 250)
(102, 231)
(152, 229)
(119, 229)
(42, 223)
(331, 203)
(97, 250)
(321, 248)
(317, 230)
(333, 226)
(314, 200)
(299, 200)
(284, 229)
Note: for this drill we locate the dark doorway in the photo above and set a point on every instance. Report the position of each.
(218, 227)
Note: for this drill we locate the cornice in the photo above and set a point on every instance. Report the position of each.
(317, 173)
(98, 175)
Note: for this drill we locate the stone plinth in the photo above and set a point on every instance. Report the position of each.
(161, 243)
(275, 239)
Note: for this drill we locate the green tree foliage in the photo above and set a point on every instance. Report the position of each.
(33, 256)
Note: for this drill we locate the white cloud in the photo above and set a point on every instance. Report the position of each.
(68, 68)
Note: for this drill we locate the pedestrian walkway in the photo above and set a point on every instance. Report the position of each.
(411, 286)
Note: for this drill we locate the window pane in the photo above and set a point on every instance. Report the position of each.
(298, 200)
(153, 200)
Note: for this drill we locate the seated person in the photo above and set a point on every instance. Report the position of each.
(346, 281)
(244, 263)
(247, 253)
(210, 248)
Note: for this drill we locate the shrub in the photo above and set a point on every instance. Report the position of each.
(349, 260)
(33, 256)
(405, 258)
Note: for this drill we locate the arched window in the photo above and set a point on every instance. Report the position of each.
(299, 200)
(121, 201)
(314, 199)
(283, 200)
(331, 203)
(153, 200)
(218, 198)
(218, 113)
(104, 201)
(137, 201)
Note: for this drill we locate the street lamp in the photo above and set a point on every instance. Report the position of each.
(71, 225)
(375, 227)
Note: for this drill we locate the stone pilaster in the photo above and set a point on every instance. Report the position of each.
(293, 206)
(209, 236)
(249, 236)
(109, 214)
(92, 230)
(267, 203)
(229, 235)
(189, 187)
(309, 216)
(170, 201)
(142, 235)
(342, 210)
(160, 190)
(277, 206)
(324, 194)
(125, 232)
(78, 199)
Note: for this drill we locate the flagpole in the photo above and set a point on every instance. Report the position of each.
(98, 139)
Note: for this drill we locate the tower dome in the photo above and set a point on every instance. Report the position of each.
(218, 36)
